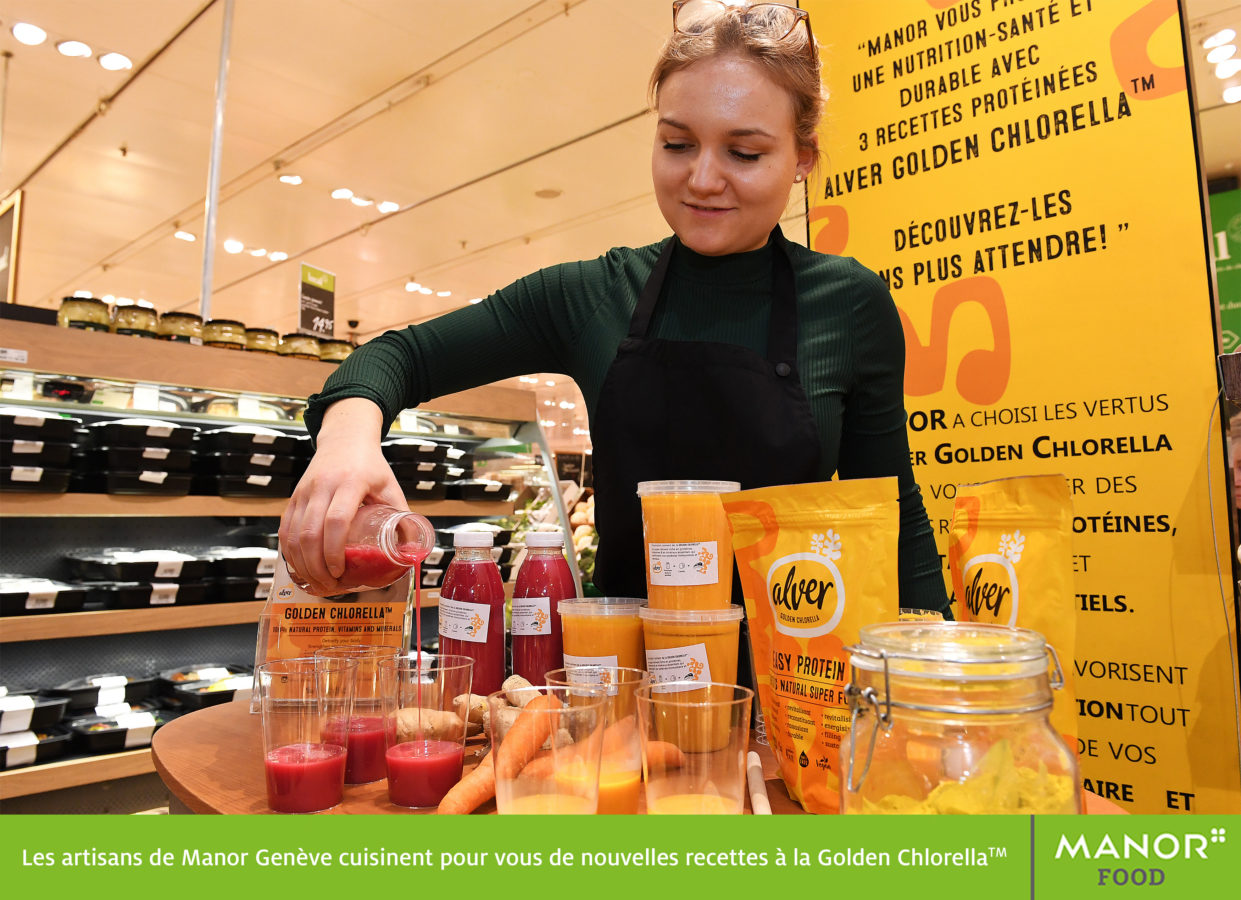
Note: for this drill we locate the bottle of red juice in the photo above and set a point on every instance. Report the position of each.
(543, 580)
(381, 545)
(471, 609)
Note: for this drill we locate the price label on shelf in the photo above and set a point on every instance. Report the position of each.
(248, 406)
(23, 386)
(146, 396)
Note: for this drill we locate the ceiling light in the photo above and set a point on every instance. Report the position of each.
(1227, 69)
(74, 48)
(115, 62)
(443, 293)
(262, 252)
(549, 402)
(480, 300)
(361, 201)
(290, 179)
(107, 298)
(124, 301)
(387, 206)
(547, 423)
(145, 304)
(86, 294)
(30, 35)
(424, 290)
(1221, 37)
(342, 194)
(277, 256)
(1232, 94)
(1221, 53)
(185, 236)
(412, 285)
(233, 246)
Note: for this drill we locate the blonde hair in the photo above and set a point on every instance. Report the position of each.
(790, 62)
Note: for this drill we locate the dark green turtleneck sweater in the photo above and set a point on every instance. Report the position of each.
(570, 319)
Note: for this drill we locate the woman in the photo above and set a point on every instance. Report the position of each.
(724, 352)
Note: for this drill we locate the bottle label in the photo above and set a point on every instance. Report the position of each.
(464, 621)
(692, 563)
(532, 615)
(677, 664)
(591, 670)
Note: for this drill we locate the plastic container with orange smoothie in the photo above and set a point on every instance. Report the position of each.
(602, 631)
(688, 645)
(689, 551)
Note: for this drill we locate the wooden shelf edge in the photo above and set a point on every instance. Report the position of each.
(126, 621)
(13, 505)
(54, 776)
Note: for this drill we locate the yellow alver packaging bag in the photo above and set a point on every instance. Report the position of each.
(816, 562)
(1010, 551)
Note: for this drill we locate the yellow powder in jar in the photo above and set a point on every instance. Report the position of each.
(1000, 786)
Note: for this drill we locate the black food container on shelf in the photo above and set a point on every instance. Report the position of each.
(250, 439)
(478, 490)
(22, 710)
(149, 482)
(34, 479)
(33, 747)
(31, 424)
(139, 459)
(238, 590)
(439, 556)
(399, 450)
(500, 536)
(184, 689)
(424, 490)
(245, 485)
(141, 432)
(418, 470)
(241, 562)
(257, 463)
(20, 596)
(47, 454)
(148, 594)
(128, 564)
(99, 734)
(432, 576)
(104, 690)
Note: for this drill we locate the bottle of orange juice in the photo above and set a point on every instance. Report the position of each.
(689, 551)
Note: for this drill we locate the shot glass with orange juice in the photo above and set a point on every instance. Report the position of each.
(602, 631)
(620, 766)
(689, 551)
(702, 775)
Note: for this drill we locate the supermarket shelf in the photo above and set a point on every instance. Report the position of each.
(45, 626)
(33, 504)
(67, 773)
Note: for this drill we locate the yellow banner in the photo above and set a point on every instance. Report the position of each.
(1022, 173)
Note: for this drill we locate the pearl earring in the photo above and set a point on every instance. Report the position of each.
(797, 177)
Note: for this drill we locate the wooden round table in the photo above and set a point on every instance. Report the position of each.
(212, 761)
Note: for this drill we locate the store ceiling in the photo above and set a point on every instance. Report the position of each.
(462, 114)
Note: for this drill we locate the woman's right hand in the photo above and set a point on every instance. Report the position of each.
(347, 470)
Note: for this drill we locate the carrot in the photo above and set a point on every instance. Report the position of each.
(619, 736)
(526, 736)
(663, 755)
(472, 791)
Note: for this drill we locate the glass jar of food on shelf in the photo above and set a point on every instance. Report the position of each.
(334, 351)
(227, 334)
(137, 319)
(299, 346)
(85, 313)
(182, 327)
(263, 340)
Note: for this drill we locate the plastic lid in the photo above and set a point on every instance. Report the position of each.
(600, 606)
(687, 487)
(692, 616)
(472, 539)
(545, 539)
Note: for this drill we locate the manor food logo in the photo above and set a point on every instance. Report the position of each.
(806, 591)
(1118, 852)
(991, 590)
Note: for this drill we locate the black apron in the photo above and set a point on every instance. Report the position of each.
(695, 410)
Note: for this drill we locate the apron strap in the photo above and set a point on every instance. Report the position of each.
(641, 320)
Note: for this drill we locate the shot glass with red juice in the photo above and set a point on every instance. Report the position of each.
(304, 761)
(363, 732)
(424, 728)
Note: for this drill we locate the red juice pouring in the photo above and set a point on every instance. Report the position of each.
(543, 580)
(381, 545)
(471, 610)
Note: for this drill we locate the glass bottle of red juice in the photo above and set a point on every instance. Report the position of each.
(471, 610)
(543, 580)
(381, 545)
